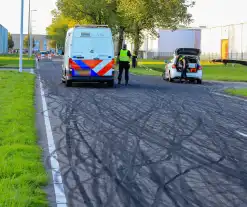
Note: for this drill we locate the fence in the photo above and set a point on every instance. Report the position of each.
(204, 56)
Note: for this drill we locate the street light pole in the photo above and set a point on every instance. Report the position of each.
(21, 36)
(29, 22)
(30, 35)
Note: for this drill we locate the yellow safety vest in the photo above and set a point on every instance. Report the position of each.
(124, 56)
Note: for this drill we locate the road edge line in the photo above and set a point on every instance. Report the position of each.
(56, 174)
(229, 96)
(37, 63)
(241, 133)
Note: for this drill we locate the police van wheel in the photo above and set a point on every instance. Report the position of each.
(68, 83)
(110, 83)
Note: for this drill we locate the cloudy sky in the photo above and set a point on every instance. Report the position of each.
(206, 12)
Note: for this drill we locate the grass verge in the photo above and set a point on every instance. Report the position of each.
(22, 174)
(7, 61)
(237, 92)
(216, 72)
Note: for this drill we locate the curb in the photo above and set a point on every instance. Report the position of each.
(15, 68)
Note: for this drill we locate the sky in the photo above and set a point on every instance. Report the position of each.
(205, 13)
(10, 12)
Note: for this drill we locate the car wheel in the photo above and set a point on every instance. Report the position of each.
(199, 81)
(110, 83)
(169, 78)
(68, 83)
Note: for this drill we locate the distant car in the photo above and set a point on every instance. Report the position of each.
(43, 55)
(194, 72)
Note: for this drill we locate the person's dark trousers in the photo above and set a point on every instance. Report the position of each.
(183, 74)
(134, 61)
(123, 66)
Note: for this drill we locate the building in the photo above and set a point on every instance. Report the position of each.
(3, 40)
(41, 42)
(226, 42)
(167, 41)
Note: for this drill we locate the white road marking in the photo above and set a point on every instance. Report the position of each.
(56, 174)
(37, 63)
(242, 134)
(228, 96)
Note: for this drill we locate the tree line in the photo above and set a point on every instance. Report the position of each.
(132, 19)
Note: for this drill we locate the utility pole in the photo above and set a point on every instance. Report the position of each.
(30, 34)
(21, 36)
(29, 28)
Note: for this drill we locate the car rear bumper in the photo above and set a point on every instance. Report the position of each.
(90, 78)
(175, 75)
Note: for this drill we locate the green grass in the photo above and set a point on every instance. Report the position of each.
(222, 73)
(145, 71)
(237, 92)
(150, 60)
(22, 174)
(13, 61)
(210, 71)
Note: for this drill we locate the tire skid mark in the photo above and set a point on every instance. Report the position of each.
(106, 168)
(122, 137)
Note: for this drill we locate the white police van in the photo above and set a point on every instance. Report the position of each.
(88, 55)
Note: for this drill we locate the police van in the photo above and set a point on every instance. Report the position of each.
(88, 55)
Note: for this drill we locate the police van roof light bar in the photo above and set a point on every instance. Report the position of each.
(92, 26)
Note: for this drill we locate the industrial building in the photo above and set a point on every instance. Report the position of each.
(3, 40)
(41, 42)
(226, 42)
(167, 41)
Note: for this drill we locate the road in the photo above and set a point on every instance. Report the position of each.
(152, 143)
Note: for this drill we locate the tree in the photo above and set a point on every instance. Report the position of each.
(96, 12)
(52, 43)
(92, 11)
(10, 41)
(134, 18)
(26, 42)
(56, 32)
(146, 16)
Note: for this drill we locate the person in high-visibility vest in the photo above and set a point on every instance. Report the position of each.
(124, 64)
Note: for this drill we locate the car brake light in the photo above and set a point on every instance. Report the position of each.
(173, 66)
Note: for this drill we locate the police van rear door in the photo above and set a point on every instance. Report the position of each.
(92, 52)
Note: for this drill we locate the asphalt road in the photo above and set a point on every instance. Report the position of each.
(152, 143)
